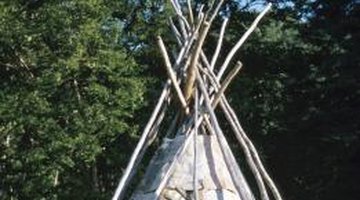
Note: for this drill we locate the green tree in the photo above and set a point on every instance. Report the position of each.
(68, 99)
(298, 94)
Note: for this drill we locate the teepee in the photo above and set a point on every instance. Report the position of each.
(195, 160)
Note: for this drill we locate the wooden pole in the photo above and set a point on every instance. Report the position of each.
(119, 193)
(219, 44)
(196, 109)
(184, 24)
(226, 82)
(175, 32)
(230, 114)
(172, 126)
(270, 183)
(186, 37)
(230, 161)
(155, 129)
(191, 72)
(259, 180)
(178, 154)
(191, 15)
(172, 74)
(137, 155)
(241, 41)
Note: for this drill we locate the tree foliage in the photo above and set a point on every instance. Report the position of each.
(68, 98)
(299, 94)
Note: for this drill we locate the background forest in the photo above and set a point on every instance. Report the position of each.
(78, 80)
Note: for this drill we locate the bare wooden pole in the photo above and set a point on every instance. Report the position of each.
(248, 153)
(222, 139)
(119, 193)
(208, 125)
(184, 24)
(171, 73)
(137, 155)
(194, 36)
(249, 158)
(236, 125)
(186, 48)
(191, 15)
(219, 44)
(241, 41)
(208, 105)
(151, 137)
(170, 169)
(270, 183)
(156, 126)
(180, 152)
(263, 192)
(200, 10)
(188, 40)
(56, 178)
(226, 82)
(175, 32)
(216, 11)
(206, 26)
(172, 126)
(190, 33)
(191, 72)
(196, 109)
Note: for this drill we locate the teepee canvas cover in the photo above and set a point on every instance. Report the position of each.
(213, 175)
(195, 160)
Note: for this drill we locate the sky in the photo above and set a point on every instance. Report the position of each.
(258, 5)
